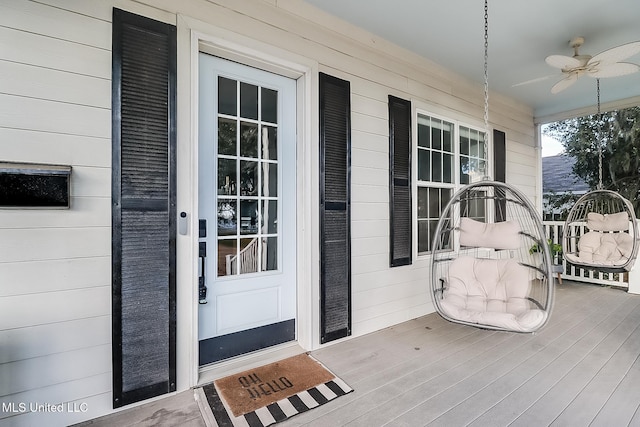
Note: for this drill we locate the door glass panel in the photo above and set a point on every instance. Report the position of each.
(269, 216)
(227, 96)
(270, 253)
(249, 140)
(269, 143)
(248, 259)
(269, 105)
(227, 250)
(248, 101)
(227, 137)
(227, 218)
(269, 179)
(248, 178)
(248, 216)
(227, 177)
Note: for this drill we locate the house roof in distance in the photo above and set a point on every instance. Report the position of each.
(558, 176)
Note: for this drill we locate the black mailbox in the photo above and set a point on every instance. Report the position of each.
(32, 185)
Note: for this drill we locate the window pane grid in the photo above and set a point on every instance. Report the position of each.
(431, 203)
(247, 195)
(435, 155)
(472, 155)
(442, 166)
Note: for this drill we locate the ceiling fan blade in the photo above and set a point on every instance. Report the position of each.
(614, 70)
(617, 54)
(562, 62)
(564, 83)
(536, 80)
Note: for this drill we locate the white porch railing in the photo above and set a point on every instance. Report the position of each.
(553, 231)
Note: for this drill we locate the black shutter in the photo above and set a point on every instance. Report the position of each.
(335, 208)
(143, 194)
(500, 169)
(400, 222)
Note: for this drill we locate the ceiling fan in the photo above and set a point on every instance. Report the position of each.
(605, 64)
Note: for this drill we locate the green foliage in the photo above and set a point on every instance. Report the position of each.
(618, 135)
(554, 248)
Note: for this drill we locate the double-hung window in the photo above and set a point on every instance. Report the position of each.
(448, 155)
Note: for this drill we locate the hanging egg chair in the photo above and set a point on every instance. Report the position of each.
(491, 265)
(490, 261)
(601, 230)
(601, 233)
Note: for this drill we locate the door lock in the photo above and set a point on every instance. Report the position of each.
(202, 288)
(202, 255)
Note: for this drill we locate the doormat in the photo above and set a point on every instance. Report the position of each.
(269, 394)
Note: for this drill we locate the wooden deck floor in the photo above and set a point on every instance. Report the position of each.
(582, 369)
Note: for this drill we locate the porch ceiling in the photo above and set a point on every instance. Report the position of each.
(521, 35)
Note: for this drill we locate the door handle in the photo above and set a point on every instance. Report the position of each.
(202, 256)
(202, 287)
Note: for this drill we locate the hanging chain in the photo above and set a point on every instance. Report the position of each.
(598, 141)
(486, 85)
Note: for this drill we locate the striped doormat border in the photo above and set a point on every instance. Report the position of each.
(216, 413)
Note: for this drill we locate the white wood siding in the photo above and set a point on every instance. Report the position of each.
(55, 100)
(55, 265)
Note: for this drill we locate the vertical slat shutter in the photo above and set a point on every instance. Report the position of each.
(335, 215)
(500, 169)
(143, 193)
(400, 232)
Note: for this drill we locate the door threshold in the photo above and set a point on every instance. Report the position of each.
(209, 373)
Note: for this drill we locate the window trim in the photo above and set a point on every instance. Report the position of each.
(458, 120)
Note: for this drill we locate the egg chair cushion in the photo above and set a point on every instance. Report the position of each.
(499, 235)
(606, 249)
(608, 222)
(490, 292)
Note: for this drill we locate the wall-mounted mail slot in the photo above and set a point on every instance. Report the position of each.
(32, 185)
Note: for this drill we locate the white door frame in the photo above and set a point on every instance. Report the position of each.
(195, 36)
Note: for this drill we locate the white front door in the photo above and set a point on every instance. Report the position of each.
(247, 209)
